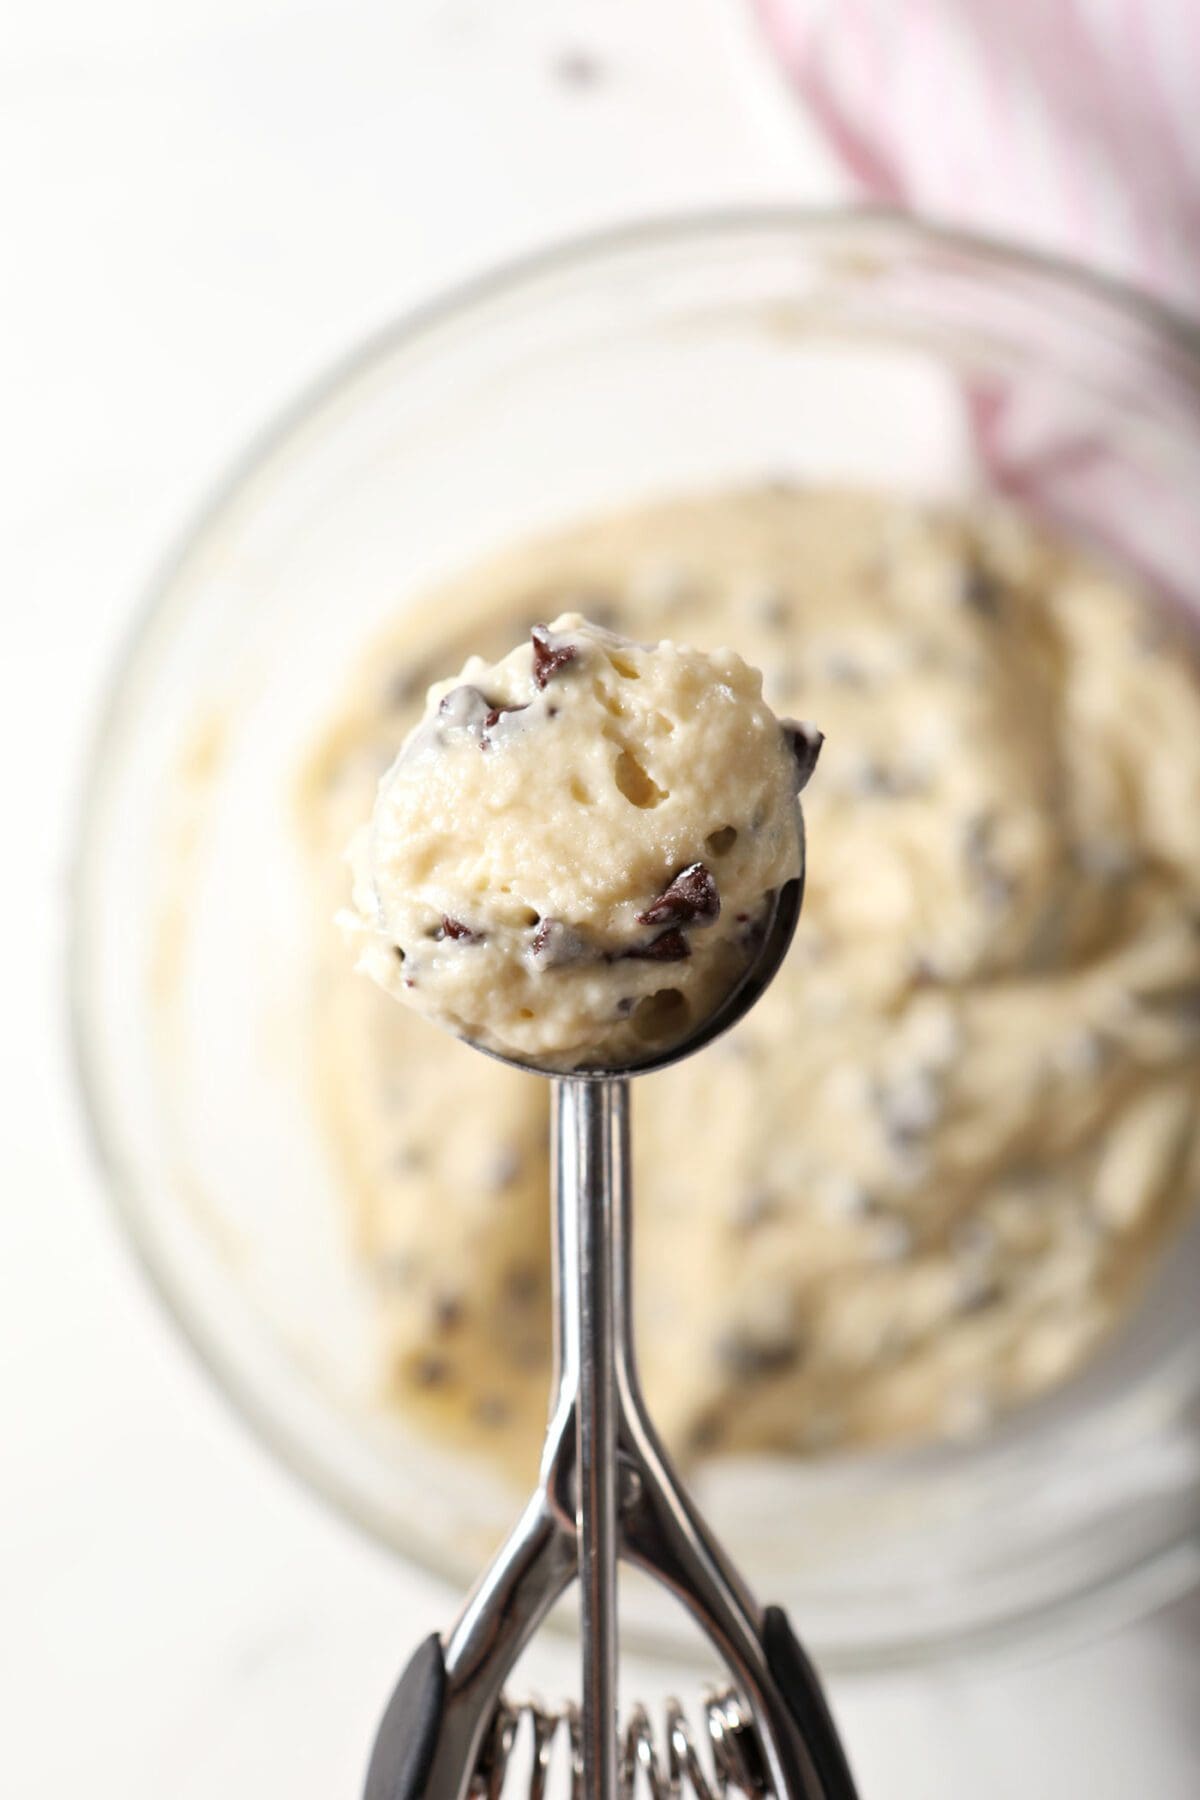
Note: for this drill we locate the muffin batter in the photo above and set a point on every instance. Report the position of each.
(578, 848)
(927, 1175)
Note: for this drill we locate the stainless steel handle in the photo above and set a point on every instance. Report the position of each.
(608, 1490)
(591, 1165)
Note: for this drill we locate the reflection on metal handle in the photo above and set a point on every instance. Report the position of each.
(591, 1164)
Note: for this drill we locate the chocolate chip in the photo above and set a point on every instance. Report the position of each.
(705, 1433)
(977, 1290)
(804, 741)
(556, 944)
(750, 1359)
(925, 971)
(430, 1370)
(448, 1312)
(548, 657)
(493, 719)
(522, 1284)
(454, 928)
(981, 590)
(668, 946)
(691, 898)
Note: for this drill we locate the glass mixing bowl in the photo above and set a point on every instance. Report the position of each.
(849, 348)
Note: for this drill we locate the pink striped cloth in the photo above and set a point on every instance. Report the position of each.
(1070, 125)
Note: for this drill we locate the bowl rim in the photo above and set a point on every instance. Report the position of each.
(1148, 1578)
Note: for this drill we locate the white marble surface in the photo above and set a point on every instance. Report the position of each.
(203, 202)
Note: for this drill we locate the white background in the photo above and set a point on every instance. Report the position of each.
(204, 202)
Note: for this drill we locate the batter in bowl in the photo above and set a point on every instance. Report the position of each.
(578, 848)
(927, 1177)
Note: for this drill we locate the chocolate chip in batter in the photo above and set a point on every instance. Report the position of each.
(691, 898)
(668, 946)
(449, 1311)
(981, 590)
(522, 1284)
(804, 741)
(925, 971)
(493, 719)
(747, 1358)
(455, 929)
(430, 1370)
(705, 1433)
(548, 657)
(976, 1290)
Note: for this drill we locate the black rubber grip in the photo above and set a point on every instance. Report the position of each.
(797, 1680)
(408, 1731)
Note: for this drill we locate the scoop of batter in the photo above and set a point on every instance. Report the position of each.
(575, 853)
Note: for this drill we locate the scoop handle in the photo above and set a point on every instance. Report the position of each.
(591, 1183)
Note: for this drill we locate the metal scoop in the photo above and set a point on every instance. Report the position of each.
(607, 1490)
